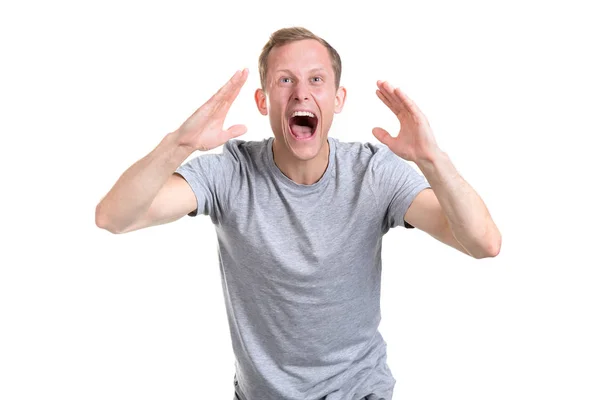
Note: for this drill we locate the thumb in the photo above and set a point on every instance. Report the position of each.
(236, 130)
(382, 135)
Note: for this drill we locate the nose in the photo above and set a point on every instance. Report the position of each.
(301, 92)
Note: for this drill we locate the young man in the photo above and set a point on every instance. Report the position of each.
(300, 218)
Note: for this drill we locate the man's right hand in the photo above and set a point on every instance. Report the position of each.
(149, 193)
(203, 130)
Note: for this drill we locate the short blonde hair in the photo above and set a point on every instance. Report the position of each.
(287, 35)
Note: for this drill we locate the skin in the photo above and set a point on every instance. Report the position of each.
(148, 193)
(300, 76)
(451, 211)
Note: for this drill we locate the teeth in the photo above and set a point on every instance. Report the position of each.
(303, 114)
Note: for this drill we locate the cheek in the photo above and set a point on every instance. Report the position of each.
(326, 105)
(324, 96)
(279, 100)
(273, 105)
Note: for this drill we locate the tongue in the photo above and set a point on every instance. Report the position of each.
(301, 131)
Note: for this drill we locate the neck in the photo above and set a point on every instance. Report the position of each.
(303, 172)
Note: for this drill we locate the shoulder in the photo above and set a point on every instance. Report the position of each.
(243, 152)
(364, 153)
(240, 148)
(362, 148)
(373, 156)
(230, 159)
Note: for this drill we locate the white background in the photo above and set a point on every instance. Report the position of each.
(510, 89)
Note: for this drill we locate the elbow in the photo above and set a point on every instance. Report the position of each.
(103, 221)
(495, 249)
(491, 248)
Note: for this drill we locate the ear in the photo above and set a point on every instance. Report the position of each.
(340, 99)
(261, 101)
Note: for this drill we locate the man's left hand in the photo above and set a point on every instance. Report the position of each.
(415, 141)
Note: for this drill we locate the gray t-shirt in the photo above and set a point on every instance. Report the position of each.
(301, 266)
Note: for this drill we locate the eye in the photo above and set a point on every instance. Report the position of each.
(318, 79)
(285, 80)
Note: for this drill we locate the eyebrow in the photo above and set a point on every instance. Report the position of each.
(312, 70)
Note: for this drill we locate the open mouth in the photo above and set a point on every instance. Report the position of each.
(303, 125)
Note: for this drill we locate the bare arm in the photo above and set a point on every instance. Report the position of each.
(127, 206)
(149, 193)
(452, 212)
(426, 214)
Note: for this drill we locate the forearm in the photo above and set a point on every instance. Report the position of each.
(467, 214)
(133, 193)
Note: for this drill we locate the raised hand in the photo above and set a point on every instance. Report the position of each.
(203, 130)
(415, 141)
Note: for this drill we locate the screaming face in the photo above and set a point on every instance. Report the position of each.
(300, 97)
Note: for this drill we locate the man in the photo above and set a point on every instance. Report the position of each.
(299, 219)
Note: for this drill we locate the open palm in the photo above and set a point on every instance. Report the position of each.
(203, 130)
(415, 141)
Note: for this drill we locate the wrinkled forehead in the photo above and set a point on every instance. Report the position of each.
(300, 57)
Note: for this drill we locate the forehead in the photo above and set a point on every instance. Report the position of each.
(301, 55)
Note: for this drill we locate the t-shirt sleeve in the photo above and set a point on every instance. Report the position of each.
(396, 184)
(211, 177)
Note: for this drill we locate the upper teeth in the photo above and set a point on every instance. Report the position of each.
(303, 114)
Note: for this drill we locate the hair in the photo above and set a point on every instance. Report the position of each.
(287, 35)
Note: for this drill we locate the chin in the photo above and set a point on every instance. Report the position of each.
(307, 149)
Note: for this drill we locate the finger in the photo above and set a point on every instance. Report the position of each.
(235, 83)
(236, 130)
(227, 86)
(384, 99)
(384, 87)
(382, 135)
(392, 104)
(230, 90)
(223, 99)
(396, 106)
(238, 80)
(410, 105)
(387, 88)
